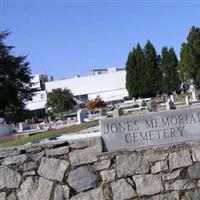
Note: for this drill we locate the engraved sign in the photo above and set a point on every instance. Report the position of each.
(150, 129)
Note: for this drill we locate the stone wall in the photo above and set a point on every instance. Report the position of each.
(79, 170)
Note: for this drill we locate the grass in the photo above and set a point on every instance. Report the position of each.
(49, 134)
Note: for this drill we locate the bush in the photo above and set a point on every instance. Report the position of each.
(96, 103)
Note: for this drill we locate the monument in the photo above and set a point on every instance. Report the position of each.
(81, 115)
(187, 101)
(194, 98)
(170, 104)
(5, 129)
(150, 129)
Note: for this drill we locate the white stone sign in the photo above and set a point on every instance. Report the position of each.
(151, 129)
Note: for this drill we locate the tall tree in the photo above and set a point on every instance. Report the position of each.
(151, 74)
(189, 65)
(15, 77)
(134, 69)
(60, 100)
(130, 65)
(169, 65)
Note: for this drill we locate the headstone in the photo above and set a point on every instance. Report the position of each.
(81, 115)
(5, 129)
(103, 112)
(151, 129)
(170, 105)
(187, 102)
(23, 126)
(172, 97)
(194, 98)
(143, 103)
(152, 106)
(117, 112)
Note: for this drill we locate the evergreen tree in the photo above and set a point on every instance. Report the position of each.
(134, 68)
(14, 79)
(189, 65)
(151, 75)
(130, 64)
(170, 78)
(139, 72)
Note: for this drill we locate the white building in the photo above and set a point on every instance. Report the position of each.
(109, 84)
(38, 101)
(39, 98)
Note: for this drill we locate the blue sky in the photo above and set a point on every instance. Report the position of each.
(66, 38)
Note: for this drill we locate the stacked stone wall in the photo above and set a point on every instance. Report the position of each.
(79, 170)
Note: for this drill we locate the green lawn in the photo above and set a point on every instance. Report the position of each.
(49, 134)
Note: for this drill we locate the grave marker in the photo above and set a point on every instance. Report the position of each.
(151, 129)
(81, 115)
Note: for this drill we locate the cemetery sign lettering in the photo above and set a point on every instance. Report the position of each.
(150, 129)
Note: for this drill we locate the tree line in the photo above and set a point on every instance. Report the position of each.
(149, 74)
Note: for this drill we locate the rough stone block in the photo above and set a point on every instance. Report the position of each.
(154, 157)
(168, 196)
(57, 151)
(128, 165)
(194, 171)
(179, 185)
(101, 165)
(79, 144)
(180, 159)
(29, 173)
(195, 151)
(29, 190)
(171, 175)
(148, 184)
(192, 195)
(85, 156)
(36, 156)
(61, 192)
(108, 175)
(82, 179)
(12, 196)
(159, 167)
(2, 196)
(8, 153)
(9, 178)
(122, 190)
(53, 169)
(19, 159)
(44, 189)
(96, 194)
(28, 166)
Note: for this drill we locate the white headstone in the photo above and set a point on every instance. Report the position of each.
(187, 102)
(172, 97)
(167, 104)
(194, 98)
(81, 115)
